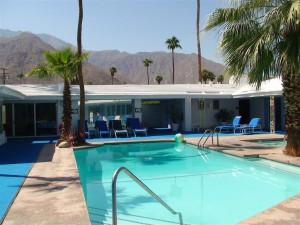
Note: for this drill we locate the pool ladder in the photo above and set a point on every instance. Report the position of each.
(139, 182)
(210, 134)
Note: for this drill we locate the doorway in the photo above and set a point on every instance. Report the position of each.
(279, 114)
(244, 110)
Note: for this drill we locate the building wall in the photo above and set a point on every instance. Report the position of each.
(259, 108)
(152, 115)
(203, 111)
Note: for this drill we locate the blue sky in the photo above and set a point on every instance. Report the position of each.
(124, 25)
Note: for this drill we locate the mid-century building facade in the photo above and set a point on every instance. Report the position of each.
(36, 110)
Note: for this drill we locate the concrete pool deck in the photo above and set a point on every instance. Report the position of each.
(52, 193)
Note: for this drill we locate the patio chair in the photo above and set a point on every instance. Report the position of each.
(116, 125)
(102, 128)
(252, 126)
(234, 126)
(86, 128)
(136, 127)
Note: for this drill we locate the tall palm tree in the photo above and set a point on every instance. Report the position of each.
(20, 76)
(173, 43)
(62, 63)
(112, 71)
(198, 41)
(80, 75)
(147, 63)
(262, 38)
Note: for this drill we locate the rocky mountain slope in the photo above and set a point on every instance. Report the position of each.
(131, 65)
(19, 54)
(21, 51)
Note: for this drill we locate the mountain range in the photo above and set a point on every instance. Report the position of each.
(22, 51)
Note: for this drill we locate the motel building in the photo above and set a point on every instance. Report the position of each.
(36, 110)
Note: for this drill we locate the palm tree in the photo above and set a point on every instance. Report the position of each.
(20, 76)
(208, 75)
(261, 38)
(158, 79)
(62, 63)
(198, 41)
(220, 79)
(147, 63)
(80, 76)
(173, 43)
(112, 71)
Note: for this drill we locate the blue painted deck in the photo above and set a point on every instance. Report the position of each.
(16, 159)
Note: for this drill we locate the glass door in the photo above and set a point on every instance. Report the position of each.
(46, 122)
(24, 119)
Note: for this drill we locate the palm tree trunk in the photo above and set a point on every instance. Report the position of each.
(291, 93)
(198, 41)
(67, 111)
(148, 75)
(80, 76)
(173, 63)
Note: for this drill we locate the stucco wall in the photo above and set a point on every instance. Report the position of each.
(206, 118)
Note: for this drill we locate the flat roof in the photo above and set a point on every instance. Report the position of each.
(166, 91)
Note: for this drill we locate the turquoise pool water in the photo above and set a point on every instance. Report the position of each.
(271, 142)
(207, 187)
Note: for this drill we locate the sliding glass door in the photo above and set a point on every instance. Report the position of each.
(24, 119)
(30, 119)
(46, 123)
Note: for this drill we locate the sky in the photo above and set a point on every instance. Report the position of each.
(124, 25)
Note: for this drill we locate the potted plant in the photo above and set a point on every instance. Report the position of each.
(224, 116)
(176, 116)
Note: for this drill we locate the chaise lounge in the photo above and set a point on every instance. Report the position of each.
(102, 128)
(234, 126)
(252, 126)
(116, 126)
(136, 127)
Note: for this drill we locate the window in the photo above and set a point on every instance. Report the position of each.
(216, 104)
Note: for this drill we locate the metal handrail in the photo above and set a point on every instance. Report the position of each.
(211, 133)
(139, 182)
(205, 132)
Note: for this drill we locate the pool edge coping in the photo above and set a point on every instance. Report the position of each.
(269, 216)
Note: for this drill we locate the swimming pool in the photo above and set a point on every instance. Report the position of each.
(207, 187)
(270, 142)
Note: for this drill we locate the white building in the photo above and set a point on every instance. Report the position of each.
(36, 110)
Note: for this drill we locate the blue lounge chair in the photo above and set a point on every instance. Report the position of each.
(252, 126)
(136, 127)
(86, 128)
(102, 128)
(234, 126)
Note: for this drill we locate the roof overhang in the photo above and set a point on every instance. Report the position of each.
(7, 93)
(271, 87)
(124, 92)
